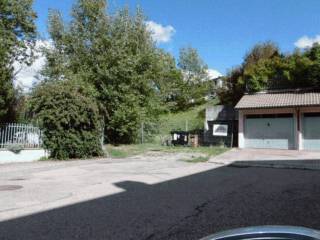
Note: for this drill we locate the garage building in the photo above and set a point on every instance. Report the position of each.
(280, 119)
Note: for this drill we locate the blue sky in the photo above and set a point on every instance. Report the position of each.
(222, 30)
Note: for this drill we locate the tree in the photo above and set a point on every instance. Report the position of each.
(252, 75)
(195, 76)
(7, 91)
(17, 39)
(313, 69)
(259, 52)
(69, 117)
(265, 68)
(117, 56)
(168, 81)
(233, 88)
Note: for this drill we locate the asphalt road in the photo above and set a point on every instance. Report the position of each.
(188, 207)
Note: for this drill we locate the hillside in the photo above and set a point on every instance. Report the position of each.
(190, 119)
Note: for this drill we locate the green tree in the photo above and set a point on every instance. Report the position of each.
(17, 39)
(195, 76)
(69, 116)
(313, 69)
(264, 68)
(260, 51)
(253, 74)
(233, 87)
(115, 54)
(168, 81)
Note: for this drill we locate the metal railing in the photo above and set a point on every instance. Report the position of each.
(25, 135)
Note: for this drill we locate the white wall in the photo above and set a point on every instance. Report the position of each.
(26, 155)
(241, 129)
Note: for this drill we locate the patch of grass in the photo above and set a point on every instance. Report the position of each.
(117, 153)
(123, 151)
(208, 152)
(44, 159)
(211, 151)
(177, 121)
(197, 159)
(192, 118)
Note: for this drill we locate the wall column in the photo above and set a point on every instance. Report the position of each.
(298, 131)
(241, 130)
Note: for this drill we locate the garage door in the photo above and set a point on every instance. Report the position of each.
(311, 131)
(269, 131)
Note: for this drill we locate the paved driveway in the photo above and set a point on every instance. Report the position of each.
(275, 158)
(151, 197)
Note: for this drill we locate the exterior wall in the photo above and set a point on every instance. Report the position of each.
(298, 118)
(241, 129)
(222, 114)
(26, 155)
(298, 127)
(231, 140)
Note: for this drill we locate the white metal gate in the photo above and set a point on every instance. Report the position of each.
(26, 135)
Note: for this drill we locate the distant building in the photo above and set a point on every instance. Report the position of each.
(218, 82)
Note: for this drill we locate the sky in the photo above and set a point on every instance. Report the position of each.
(221, 30)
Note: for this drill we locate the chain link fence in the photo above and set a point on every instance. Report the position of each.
(160, 132)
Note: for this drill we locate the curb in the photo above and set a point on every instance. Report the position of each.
(277, 165)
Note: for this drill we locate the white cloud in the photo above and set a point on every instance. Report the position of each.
(307, 42)
(26, 75)
(212, 73)
(159, 33)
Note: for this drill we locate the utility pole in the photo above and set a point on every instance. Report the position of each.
(186, 125)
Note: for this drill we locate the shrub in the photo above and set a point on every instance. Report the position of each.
(69, 117)
(15, 148)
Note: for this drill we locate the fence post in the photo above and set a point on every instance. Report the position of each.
(102, 136)
(142, 132)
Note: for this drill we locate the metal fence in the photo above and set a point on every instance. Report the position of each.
(160, 132)
(25, 135)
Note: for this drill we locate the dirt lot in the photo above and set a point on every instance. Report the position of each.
(154, 196)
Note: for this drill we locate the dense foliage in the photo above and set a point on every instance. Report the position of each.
(196, 83)
(17, 37)
(116, 55)
(70, 119)
(264, 67)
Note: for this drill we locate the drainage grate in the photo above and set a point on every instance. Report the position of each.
(9, 187)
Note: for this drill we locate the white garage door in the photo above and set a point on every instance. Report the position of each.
(311, 131)
(269, 131)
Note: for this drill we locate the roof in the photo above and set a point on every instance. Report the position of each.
(293, 98)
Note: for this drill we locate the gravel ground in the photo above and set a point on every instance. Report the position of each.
(160, 197)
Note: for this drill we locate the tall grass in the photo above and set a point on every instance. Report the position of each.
(188, 120)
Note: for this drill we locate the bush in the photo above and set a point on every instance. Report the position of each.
(15, 148)
(69, 116)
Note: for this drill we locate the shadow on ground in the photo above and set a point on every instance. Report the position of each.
(190, 207)
(306, 164)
